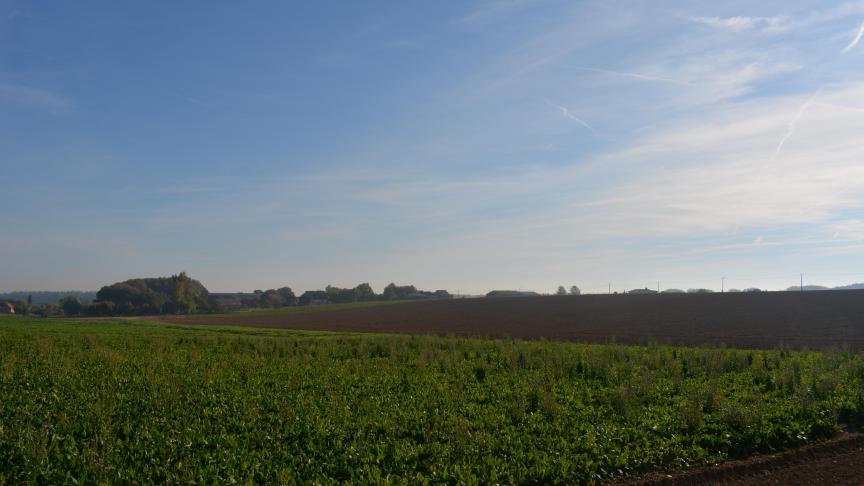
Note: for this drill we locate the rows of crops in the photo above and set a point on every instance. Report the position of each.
(106, 401)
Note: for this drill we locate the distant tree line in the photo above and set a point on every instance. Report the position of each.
(47, 297)
(181, 294)
(69, 305)
(284, 297)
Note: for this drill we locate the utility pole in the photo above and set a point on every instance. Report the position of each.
(610, 288)
(722, 284)
(658, 286)
(802, 282)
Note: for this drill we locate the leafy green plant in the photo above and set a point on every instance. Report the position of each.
(122, 401)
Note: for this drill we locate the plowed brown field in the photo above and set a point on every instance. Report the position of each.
(814, 320)
(838, 461)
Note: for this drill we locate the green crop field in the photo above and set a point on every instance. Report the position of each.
(131, 401)
(302, 309)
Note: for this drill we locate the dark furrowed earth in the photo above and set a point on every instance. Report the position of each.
(839, 461)
(814, 320)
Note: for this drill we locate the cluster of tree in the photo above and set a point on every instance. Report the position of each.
(403, 292)
(574, 290)
(47, 297)
(69, 305)
(361, 293)
(285, 297)
(699, 291)
(178, 294)
(271, 298)
(365, 293)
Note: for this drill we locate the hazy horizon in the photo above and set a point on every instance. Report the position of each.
(467, 146)
(457, 291)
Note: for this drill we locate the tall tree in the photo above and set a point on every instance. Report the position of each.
(71, 305)
(394, 292)
(574, 290)
(287, 295)
(270, 298)
(184, 303)
(364, 292)
(561, 290)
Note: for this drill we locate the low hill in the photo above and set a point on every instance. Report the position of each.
(161, 295)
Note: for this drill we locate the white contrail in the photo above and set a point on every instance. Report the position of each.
(643, 77)
(564, 111)
(856, 39)
(792, 123)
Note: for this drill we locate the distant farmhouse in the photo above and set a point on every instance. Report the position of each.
(645, 291)
(436, 295)
(315, 297)
(511, 293)
(230, 301)
(7, 308)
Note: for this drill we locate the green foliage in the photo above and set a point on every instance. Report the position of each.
(311, 296)
(122, 402)
(394, 292)
(232, 318)
(47, 297)
(287, 296)
(71, 305)
(270, 298)
(175, 294)
(364, 293)
(338, 295)
(361, 293)
(21, 307)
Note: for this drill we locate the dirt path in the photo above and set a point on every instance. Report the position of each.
(836, 461)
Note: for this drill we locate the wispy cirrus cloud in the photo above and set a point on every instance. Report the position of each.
(490, 10)
(735, 182)
(568, 114)
(739, 23)
(849, 229)
(639, 76)
(34, 97)
(855, 40)
(791, 124)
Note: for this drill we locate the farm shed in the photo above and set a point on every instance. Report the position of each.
(645, 291)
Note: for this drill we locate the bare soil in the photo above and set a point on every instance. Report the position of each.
(815, 320)
(839, 461)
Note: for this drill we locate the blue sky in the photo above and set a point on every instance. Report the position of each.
(458, 145)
